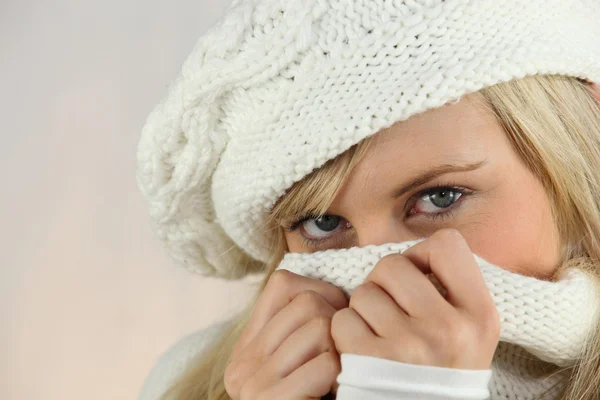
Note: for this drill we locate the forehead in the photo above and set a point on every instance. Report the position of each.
(460, 133)
(446, 132)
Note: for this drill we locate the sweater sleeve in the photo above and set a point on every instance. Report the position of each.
(175, 360)
(372, 378)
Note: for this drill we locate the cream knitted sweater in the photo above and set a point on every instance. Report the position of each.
(175, 360)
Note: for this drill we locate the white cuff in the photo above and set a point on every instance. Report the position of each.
(375, 378)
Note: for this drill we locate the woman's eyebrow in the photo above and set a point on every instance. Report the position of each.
(434, 172)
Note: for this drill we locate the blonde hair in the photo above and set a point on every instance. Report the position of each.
(559, 140)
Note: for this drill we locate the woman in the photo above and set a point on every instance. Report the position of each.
(313, 128)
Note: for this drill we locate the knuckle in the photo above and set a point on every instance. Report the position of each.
(389, 261)
(321, 326)
(281, 279)
(337, 317)
(444, 241)
(361, 291)
(339, 297)
(338, 322)
(387, 264)
(310, 302)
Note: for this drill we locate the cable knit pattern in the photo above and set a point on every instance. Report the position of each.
(549, 320)
(277, 88)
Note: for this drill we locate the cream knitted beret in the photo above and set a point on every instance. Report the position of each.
(278, 87)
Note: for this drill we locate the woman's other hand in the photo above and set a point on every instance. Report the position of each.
(286, 350)
(398, 314)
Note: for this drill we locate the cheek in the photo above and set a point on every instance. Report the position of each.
(292, 243)
(517, 231)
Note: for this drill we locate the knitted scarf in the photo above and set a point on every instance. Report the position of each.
(544, 324)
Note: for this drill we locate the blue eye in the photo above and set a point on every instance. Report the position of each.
(320, 226)
(326, 224)
(437, 199)
(320, 229)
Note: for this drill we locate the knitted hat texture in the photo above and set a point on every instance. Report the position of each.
(279, 87)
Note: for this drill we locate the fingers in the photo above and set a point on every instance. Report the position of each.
(447, 255)
(305, 307)
(407, 285)
(351, 334)
(281, 289)
(378, 310)
(311, 381)
(305, 344)
(312, 339)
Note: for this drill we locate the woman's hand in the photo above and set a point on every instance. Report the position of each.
(286, 350)
(398, 314)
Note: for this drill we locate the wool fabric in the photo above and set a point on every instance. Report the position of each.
(279, 87)
(544, 325)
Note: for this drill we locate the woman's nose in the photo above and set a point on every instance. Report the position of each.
(381, 232)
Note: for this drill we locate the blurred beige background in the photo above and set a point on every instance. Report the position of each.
(88, 298)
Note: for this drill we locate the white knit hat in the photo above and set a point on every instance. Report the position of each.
(278, 87)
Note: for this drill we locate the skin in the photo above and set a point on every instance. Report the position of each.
(290, 347)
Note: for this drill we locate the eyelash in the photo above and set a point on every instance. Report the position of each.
(448, 213)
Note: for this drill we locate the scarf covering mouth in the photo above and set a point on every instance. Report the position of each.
(550, 319)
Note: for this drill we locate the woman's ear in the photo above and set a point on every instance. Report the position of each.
(595, 90)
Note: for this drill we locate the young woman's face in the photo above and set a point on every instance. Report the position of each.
(450, 167)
